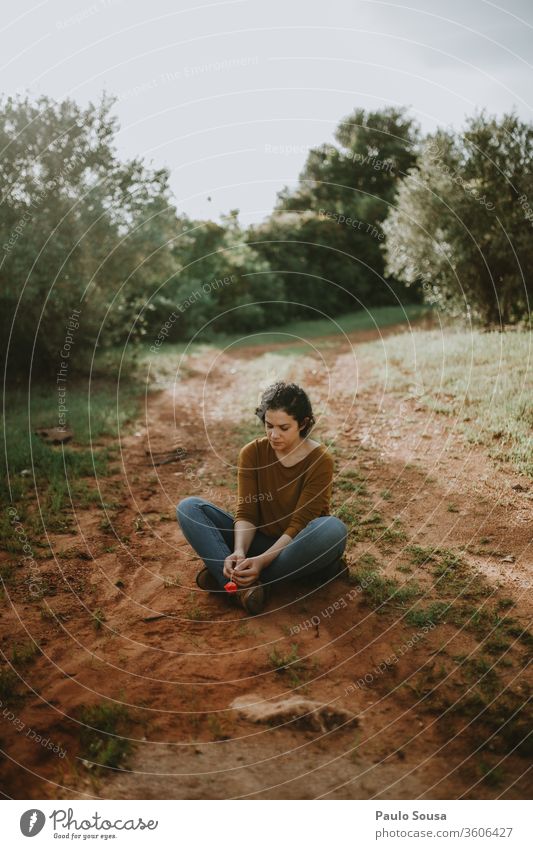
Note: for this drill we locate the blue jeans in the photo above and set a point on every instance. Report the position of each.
(210, 532)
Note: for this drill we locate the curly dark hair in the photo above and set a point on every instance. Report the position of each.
(292, 400)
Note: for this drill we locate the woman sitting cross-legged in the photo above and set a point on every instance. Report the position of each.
(282, 529)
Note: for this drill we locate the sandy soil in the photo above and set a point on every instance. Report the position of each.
(178, 657)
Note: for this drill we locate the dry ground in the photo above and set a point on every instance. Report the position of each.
(177, 657)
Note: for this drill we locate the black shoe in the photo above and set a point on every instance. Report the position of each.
(207, 581)
(253, 598)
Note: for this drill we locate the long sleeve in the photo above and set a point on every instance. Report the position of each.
(247, 485)
(314, 497)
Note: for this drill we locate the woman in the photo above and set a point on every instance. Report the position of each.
(282, 529)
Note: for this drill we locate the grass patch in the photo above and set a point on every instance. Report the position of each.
(62, 472)
(292, 665)
(99, 618)
(102, 740)
(492, 776)
(22, 655)
(434, 614)
(193, 611)
(347, 323)
(380, 592)
(472, 695)
(9, 682)
(420, 556)
(478, 378)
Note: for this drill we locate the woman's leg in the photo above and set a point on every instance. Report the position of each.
(209, 530)
(319, 544)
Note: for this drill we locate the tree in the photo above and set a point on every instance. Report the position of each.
(462, 222)
(220, 285)
(325, 235)
(80, 230)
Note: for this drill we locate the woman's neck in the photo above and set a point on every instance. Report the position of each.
(294, 449)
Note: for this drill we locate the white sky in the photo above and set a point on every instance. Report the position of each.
(211, 89)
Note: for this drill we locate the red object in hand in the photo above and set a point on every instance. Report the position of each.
(230, 587)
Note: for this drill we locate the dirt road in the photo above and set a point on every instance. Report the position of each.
(177, 658)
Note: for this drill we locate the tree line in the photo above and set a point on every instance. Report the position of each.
(384, 215)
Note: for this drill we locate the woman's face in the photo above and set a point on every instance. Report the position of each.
(282, 430)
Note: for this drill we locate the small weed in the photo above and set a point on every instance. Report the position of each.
(48, 615)
(102, 742)
(217, 728)
(379, 591)
(99, 618)
(373, 519)
(6, 572)
(291, 664)
(23, 654)
(193, 611)
(172, 582)
(348, 513)
(280, 661)
(8, 686)
(505, 603)
(432, 615)
(393, 534)
(497, 646)
(420, 556)
(492, 776)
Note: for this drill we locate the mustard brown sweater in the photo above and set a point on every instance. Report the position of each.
(278, 499)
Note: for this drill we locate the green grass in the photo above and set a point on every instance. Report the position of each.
(481, 379)
(291, 664)
(22, 655)
(193, 611)
(492, 776)
(349, 323)
(9, 682)
(420, 555)
(435, 613)
(99, 618)
(59, 473)
(472, 690)
(102, 741)
(379, 592)
(280, 661)
(377, 317)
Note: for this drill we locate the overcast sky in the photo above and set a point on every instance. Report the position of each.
(230, 95)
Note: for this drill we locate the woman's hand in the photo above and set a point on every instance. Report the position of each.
(230, 562)
(247, 571)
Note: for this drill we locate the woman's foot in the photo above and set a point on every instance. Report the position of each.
(207, 581)
(253, 598)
